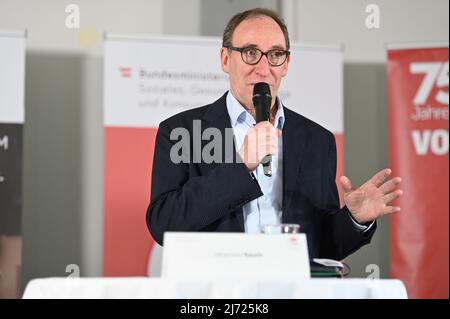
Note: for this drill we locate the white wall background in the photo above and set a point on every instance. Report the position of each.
(62, 217)
(343, 21)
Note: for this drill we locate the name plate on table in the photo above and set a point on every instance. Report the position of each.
(202, 255)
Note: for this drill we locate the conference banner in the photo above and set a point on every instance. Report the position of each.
(418, 152)
(147, 80)
(12, 116)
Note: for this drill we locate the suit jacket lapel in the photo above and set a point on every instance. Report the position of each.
(294, 141)
(217, 116)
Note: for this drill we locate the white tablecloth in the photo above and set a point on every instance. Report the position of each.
(157, 288)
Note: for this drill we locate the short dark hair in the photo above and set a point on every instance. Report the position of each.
(238, 18)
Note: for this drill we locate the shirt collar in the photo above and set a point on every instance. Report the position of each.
(238, 114)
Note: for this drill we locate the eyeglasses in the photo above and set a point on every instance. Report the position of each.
(252, 55)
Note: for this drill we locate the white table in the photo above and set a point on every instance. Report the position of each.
(159, 288)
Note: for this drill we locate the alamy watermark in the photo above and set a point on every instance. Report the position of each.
(73, 18)
(210, 146)
(373, 17)
(373, 270)
(73, 270)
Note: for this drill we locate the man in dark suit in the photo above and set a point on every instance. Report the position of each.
(231, 193)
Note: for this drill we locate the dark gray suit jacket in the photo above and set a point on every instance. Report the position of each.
(209, 197)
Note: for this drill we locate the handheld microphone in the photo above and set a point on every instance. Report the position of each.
(261, 100)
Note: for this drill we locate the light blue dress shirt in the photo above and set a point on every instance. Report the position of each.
(267, 209)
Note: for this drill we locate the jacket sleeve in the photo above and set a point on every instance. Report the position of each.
(340, 236)
(182, 201)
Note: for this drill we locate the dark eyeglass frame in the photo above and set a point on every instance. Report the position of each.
(241, 50)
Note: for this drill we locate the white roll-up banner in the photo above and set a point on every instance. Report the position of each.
(146, 80)
(12, 116)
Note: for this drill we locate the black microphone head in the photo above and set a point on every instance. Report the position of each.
(261, 100)
(261, 90)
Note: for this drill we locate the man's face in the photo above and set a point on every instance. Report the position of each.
(265, 34)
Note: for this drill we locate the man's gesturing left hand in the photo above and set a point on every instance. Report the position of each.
(371, 200)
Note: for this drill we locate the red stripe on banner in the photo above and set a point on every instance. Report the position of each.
(418, 143)
(128, 161)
